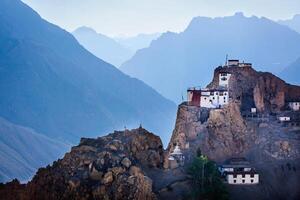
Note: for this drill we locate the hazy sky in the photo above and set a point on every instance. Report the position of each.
(130, 17)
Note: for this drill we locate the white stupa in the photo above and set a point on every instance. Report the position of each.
(176, 151)
(176, 157)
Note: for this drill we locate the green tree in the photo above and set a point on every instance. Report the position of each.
(206, 180)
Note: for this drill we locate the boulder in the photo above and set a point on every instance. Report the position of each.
(126, 162)
(108, 178)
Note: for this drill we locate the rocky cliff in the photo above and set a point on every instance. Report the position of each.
(271, 147)
(109, 167)
(262, 90)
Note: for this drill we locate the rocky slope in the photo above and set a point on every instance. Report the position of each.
(23, 151)
(109, 167)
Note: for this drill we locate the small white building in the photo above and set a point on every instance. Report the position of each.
(214, 98)
(284, 119)
(242, 178)
(238, 171)
(295, 106)
(253, 110)
(237, 63)
(176, 158)
(233, 63)
(224, 79)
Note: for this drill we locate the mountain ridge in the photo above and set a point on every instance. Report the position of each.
(291, 72)
(51, 84)
(102, 46)
(251, 38)
(23, 151)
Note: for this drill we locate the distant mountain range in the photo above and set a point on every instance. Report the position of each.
(50, 83)
(113, 50)
(174, 61)
(102, 46)
(293, 23)
(23, 151)
(291, 72)
(140, 41)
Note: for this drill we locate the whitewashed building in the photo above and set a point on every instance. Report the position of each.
(253, 110)
(240, 178)
(295, 106)
(239, 172)
(284, 119)
(214, 98)
(231, 63)
(224, 79)
(237, 63)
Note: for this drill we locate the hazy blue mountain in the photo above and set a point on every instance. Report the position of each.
(50, 83)
(291, 73)
(175, 61)
(102, 46)
(293, 23)
(137, 42)
(23, 151)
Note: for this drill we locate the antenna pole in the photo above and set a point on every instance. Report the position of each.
(226, 63)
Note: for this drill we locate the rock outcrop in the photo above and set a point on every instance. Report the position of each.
(218, 133)
(271, 147)
(110, 167)
(262, 90)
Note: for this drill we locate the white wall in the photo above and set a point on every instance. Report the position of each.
(294, 106)
(189, 96)
(214, 99)
(239, 179)
(224, 79)
(284, 119)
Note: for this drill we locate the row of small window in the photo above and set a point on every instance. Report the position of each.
(217, 93)
(214, 98)
(243, 175)
(223, 74)
(243, 181)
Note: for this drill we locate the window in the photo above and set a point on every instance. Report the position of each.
(243, 175)
(234, 181)
(224, 93)
(251, 175)
(252, 180)
(234, 175)
(243, 180)
(224, 98)
(213, 97)
(204, 98)
(217, 93)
